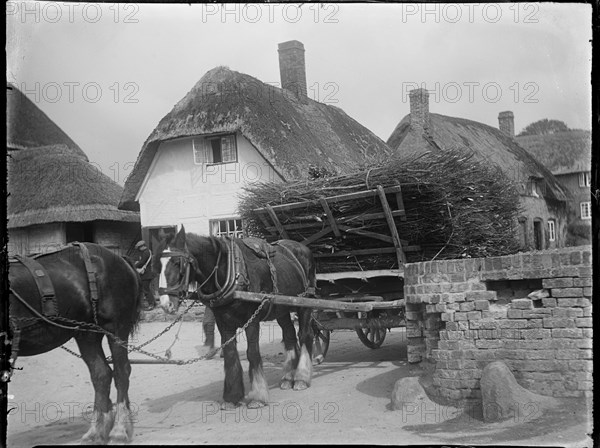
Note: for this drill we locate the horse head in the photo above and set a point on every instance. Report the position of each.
(173, 263)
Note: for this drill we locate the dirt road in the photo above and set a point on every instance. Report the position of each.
(347, 402)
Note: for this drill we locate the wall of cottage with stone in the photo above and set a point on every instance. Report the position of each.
(463, 314)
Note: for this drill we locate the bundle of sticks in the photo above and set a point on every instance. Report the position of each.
(454, 206)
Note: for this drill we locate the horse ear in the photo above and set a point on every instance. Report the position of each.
(179, 241)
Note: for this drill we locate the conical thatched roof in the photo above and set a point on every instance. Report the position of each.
(289, 133)
(562, 152)
(28, 127)
(488, 143)
(54, 184)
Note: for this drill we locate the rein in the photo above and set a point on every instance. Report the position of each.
(221, 296)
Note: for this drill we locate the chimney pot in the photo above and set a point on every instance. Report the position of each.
(292, 68)
(506, 123)
(419, 110)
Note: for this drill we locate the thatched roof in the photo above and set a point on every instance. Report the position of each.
(289, 133)
(54, 184)
(488, 143)
(561, 152)
(28, 127)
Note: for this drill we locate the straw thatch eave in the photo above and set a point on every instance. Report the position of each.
(562, 152)
(289, 133)
(28, 127)
(54, 184)
(489, 144)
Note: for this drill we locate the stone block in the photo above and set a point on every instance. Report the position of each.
(566, 292)
(583, 322)
(522, 304)
(503, 397)
(481, 305)
(473, 315)
(582, 281)
(560, 282)
(558, 322)
(467, 306)
(567, 333)
(481, 295)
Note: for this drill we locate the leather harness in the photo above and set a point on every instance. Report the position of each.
(46, 288)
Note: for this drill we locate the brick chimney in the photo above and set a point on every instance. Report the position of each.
(292, 67)
(419, 110)
(506, 123)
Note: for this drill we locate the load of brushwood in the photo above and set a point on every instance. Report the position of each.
(456, 207)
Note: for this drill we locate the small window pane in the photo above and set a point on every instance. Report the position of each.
(228, 148)
(551, 231)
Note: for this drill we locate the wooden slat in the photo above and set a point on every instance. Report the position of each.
(368, 234)
(377, 251)
(266, 223)
(400, 201)
(275, 220)
(348, 323)
(392, 225)
(331, 199)
(333, 276)
(308, 225)
(348, 253)
(330, 217)
(316, 236)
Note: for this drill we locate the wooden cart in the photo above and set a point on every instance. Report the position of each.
(369, 301)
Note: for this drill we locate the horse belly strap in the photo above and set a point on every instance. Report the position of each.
(43, 283)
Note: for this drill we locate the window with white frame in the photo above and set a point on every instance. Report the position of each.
(215, 149)
(586, 210)
(551, 230)
(585, 179)
(227, 227)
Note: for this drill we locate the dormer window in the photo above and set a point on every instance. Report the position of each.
(585, 179)
(215, 149)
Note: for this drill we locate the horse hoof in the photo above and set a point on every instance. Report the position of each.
(87, 440)
(285, 384)
(119, 437)
(300, 385)
(255, 404)
(227, 406)
(318, 360)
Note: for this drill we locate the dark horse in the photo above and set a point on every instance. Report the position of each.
(210, 262)
(117, 311)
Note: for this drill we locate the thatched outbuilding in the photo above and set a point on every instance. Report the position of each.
(543, 220)
(55, 194)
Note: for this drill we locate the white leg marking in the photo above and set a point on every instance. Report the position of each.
(304, 370)
(259, 389)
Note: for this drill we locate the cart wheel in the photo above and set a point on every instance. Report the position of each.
(321, 345)
(372, 337)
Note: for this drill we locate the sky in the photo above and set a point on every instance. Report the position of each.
(108, 73)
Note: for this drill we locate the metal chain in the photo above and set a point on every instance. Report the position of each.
(211, 353)
(158, 357)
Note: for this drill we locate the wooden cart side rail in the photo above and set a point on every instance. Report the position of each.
(330, 199)
(314, 223)
(323, 304)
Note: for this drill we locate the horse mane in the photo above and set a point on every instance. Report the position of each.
(197, 244)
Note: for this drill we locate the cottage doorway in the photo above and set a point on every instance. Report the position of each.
(79, 231)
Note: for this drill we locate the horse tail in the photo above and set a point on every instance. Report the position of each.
(139, 296)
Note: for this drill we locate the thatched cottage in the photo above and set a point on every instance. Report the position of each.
(231, 130)
(55, 195)
(543, 218)
(568, 155)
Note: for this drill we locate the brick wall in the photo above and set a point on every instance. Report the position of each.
(463, 314)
